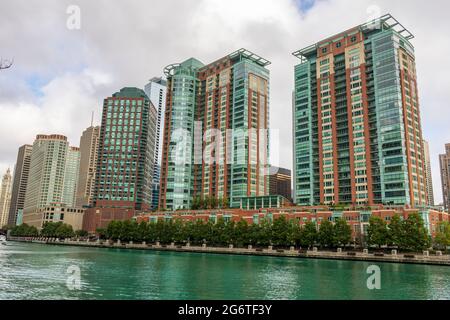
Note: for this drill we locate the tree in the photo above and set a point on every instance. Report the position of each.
(309, 234)
(281, 232)
(342, 232)
(64, 231)
(101, 232)
(442, 238)
(416, 234)
(81, 233)
(141, 233)
(377, 232)
(24, 230)
(396, 234)
(242, 236)
(326, 234)
(49, 229)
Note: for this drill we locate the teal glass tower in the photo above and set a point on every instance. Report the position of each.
(225, 104)
(356, 119)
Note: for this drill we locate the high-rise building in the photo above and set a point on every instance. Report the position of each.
(358, 136)
(47, 168)
(429, 177)
(444, 162)
(126, 151)
(52, 177)
(280, 182)
(204, 104)
(125, 158)
(88, 165)
(5, 198)
(156, 91)
(71, 176)
(20, 180)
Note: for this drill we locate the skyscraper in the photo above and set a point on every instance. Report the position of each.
(88, 166)
(125, 161)
(21, 172)
(280, 182)
(5, 198)
(429, 177)
(200, 155)
(358, 136)
(71, 176)
(156, 91)
(52, 177)
(444, 162)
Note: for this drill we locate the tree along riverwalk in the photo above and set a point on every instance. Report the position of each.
(425, 257)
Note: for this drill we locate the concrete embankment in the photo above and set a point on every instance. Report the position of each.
(423, 258)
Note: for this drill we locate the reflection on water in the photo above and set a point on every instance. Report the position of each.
(34, 271)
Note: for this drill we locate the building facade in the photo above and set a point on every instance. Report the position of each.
(429, 175)
(5, 198)
(280, 182)
(126, 151)
(52, 176)
(444, 162)
(20, 180)
(57, 212)
(47, 168)
(215, 132)
(156, 91)
(89, 142)
(357, 129)
(71, 176)
(125, 158)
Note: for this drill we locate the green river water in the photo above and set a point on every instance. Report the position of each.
(35, 271)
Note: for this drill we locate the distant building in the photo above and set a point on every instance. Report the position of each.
(429, 177)
(52, 177)
(5, 198)
(444, 162)
(280, 182)
(71, 176)
(156, 91)
(56, 212)
(89, 142)
(21, 172)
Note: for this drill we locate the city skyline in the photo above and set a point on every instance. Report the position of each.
(41, 87)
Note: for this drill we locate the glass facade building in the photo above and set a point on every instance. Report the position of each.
(224, 108)
(126, 151)
(156, 91)
(21, 172)
(357, 130)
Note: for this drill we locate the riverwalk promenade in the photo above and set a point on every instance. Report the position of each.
(427, 258)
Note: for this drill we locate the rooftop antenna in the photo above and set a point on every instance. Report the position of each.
(92, 119)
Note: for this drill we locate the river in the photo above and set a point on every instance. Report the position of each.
(37, 271)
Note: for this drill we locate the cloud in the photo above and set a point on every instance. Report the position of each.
(60, 75)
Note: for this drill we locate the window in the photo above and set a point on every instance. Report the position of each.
(324, 50)
(338, 45)
(353, 39)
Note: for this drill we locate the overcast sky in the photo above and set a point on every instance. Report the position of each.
(61, 75)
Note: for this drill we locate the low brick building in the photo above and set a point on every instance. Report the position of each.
(357, 219)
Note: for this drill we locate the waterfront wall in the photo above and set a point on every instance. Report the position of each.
(426, 257)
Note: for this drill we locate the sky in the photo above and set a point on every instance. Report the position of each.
(62, 73)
